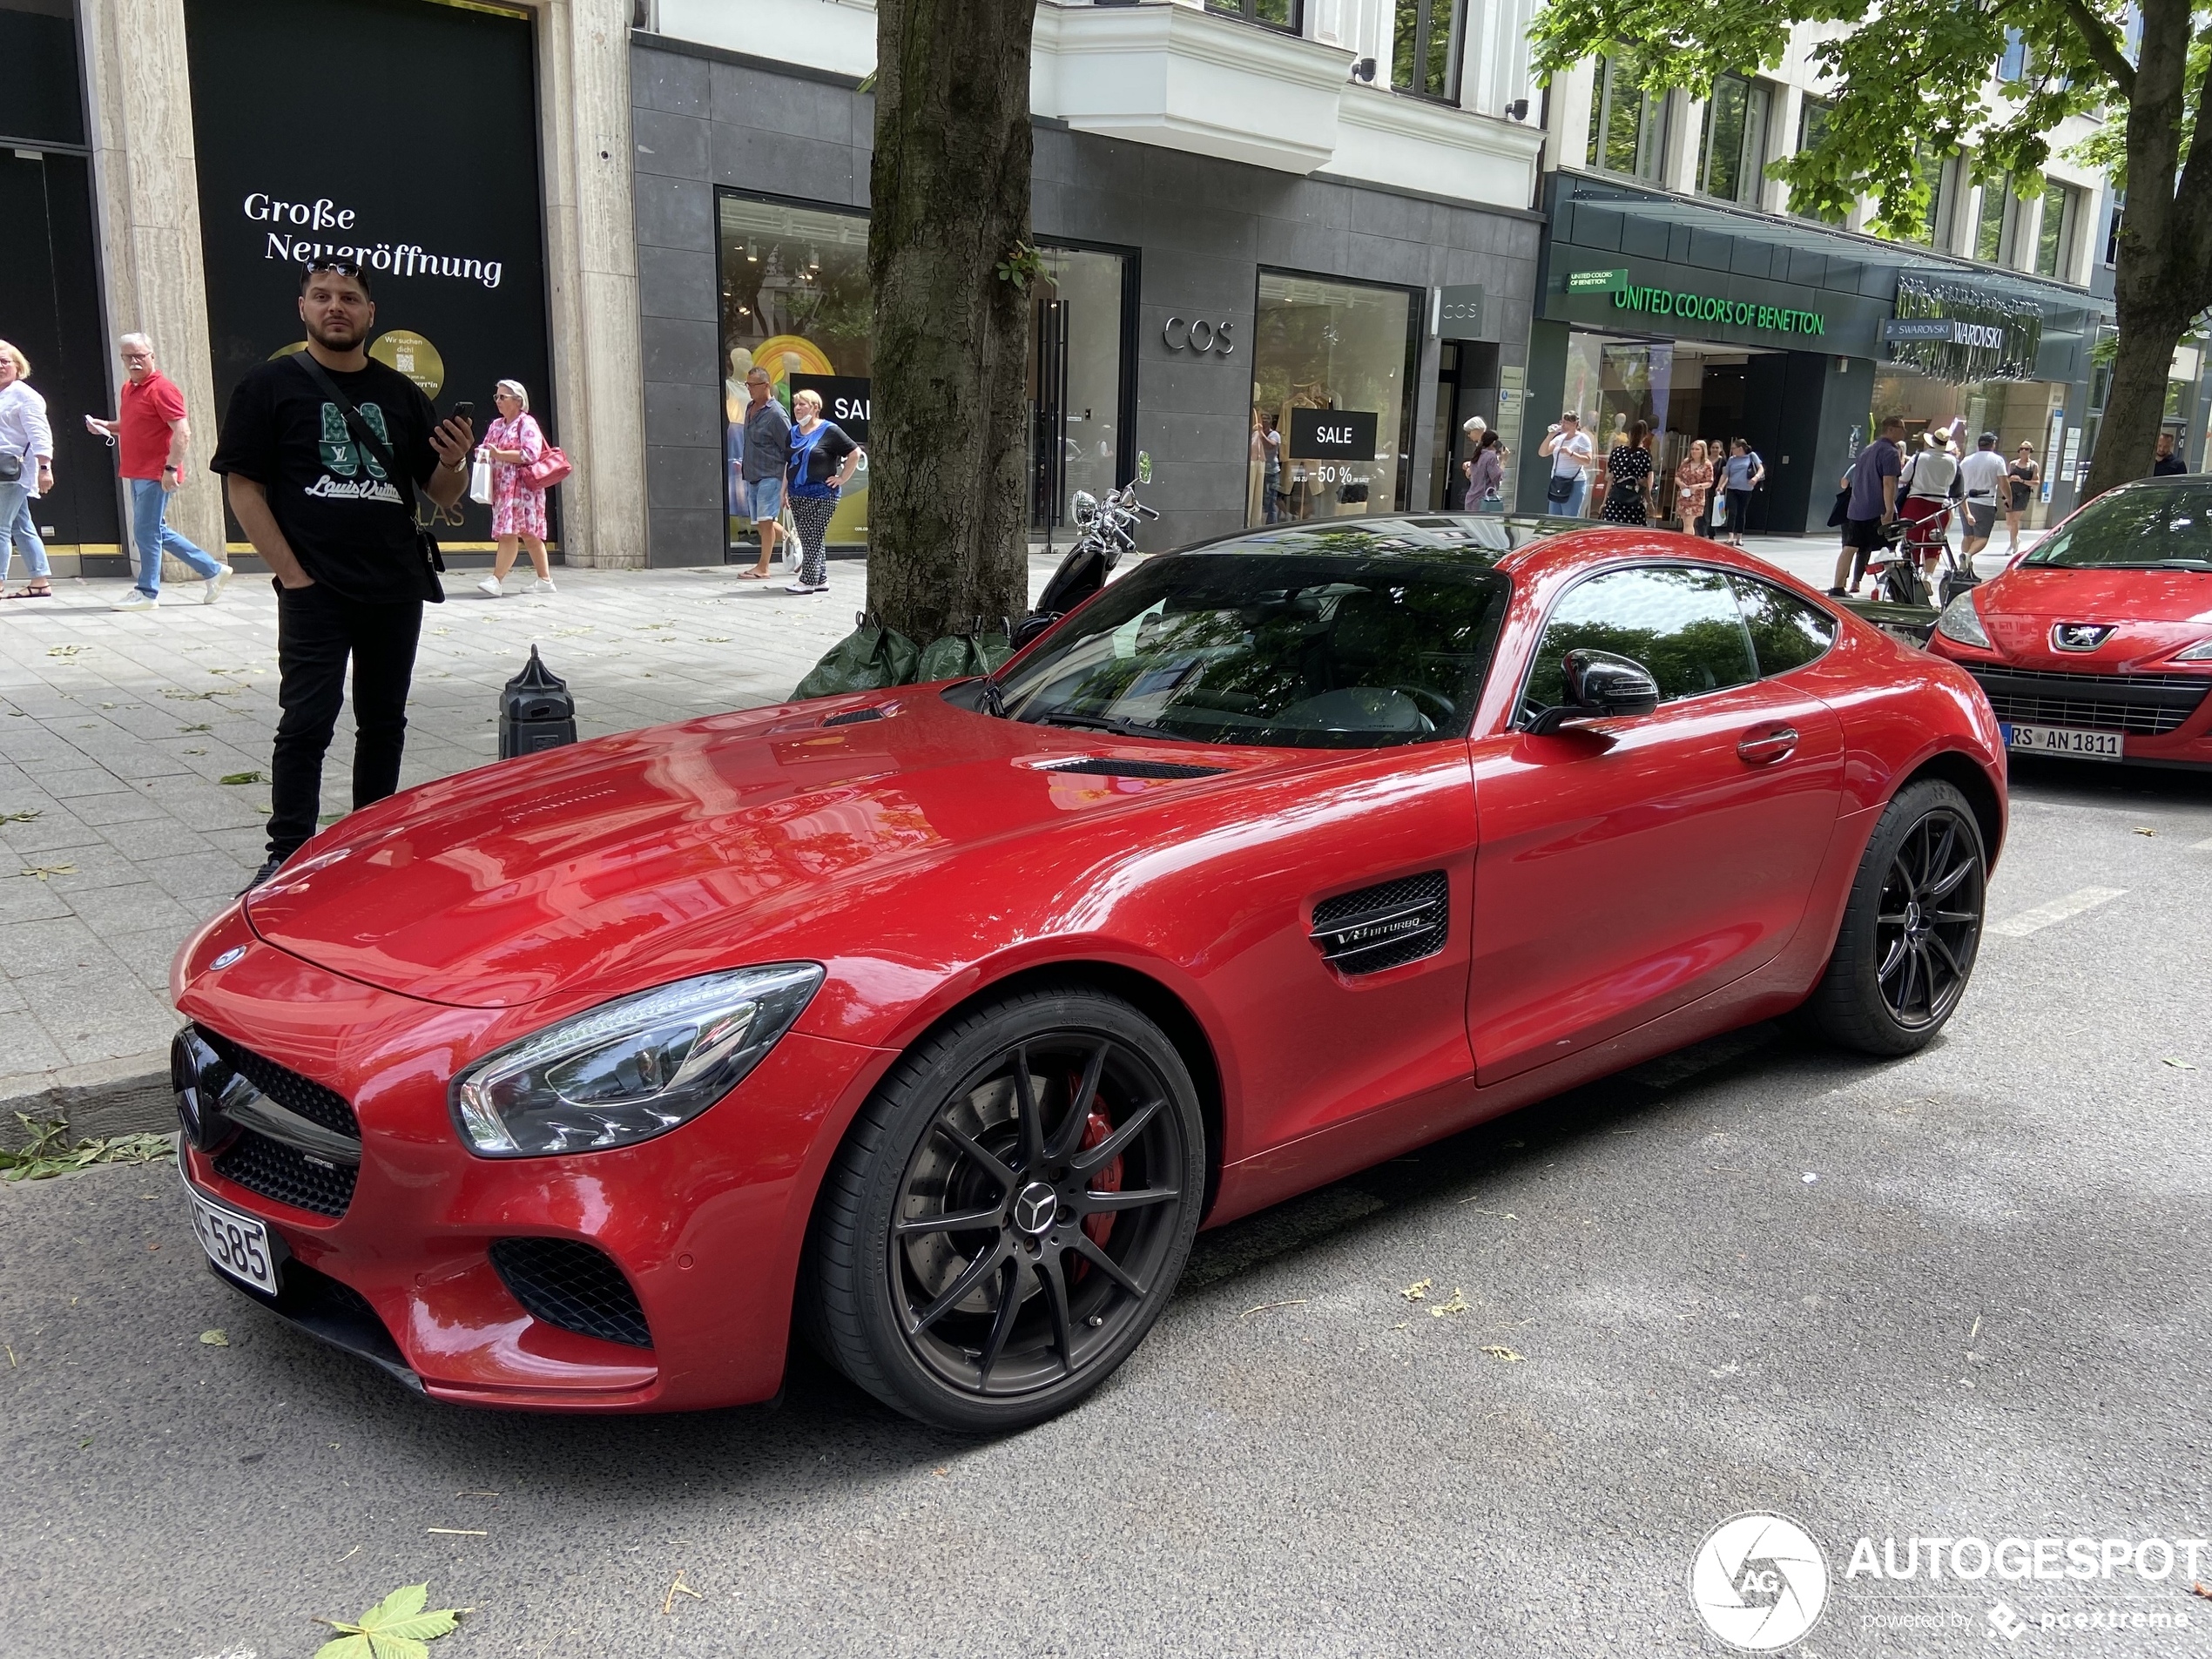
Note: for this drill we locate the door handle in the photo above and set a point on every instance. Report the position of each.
(1763, 746)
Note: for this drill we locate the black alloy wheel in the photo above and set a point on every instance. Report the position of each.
(1929, 920)
(1910, 928)
(1010, 1211)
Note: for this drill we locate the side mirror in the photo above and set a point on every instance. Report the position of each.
(1600, 687)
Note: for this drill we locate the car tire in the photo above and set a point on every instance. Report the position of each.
(1086, 1247)
(1912, 926)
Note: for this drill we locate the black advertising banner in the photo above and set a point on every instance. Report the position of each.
(1332, 434)
(399, 133)
(845, 400)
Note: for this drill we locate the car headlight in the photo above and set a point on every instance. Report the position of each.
(2199, 652)
(631, 1069)
(1960, 622)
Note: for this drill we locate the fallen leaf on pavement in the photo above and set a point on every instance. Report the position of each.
(395, 1628)
(2139, 830)
(1417, 1291)
(41, 870)
(214, 1339)
(1505, 1354)
(1459, 1304)
(2199, 1590)
(2179, 1065)
(18, 818)
(242, 778)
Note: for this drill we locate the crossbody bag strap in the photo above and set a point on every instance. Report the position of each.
(363, 434)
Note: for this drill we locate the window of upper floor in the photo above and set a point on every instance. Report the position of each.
(1424, 49)
(2054, 239)
(2112, 229)
(1812, 123)
(1286, 15)
(1628, 122)
(1732, 149)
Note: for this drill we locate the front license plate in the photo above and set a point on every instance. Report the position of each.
(235, 1242)
(2064, 740)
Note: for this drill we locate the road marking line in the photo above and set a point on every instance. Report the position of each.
(2043, 915)
(2204, 845)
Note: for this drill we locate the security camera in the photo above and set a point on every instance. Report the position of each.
(1518, 110)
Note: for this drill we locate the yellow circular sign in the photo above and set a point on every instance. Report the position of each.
(771, 353)
(413, 356)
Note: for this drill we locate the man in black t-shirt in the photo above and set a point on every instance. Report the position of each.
(338, 533)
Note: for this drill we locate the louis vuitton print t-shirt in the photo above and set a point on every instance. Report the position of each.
(351, 528)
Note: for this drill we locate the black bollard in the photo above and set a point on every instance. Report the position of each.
(535, 711)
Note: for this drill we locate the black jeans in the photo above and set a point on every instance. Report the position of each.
(316, 631)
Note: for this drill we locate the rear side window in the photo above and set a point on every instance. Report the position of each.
(1682, 625)
(1786, 632)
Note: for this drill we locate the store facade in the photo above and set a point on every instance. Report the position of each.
(1709, 322)
(1190, 308)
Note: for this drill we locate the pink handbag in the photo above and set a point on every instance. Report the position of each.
(551, 467)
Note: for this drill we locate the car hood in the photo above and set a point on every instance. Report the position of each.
(500, 887)
(2152, 613)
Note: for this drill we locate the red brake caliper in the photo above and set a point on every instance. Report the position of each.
(1108, 1179)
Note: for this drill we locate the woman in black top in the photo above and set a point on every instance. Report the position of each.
(1627, 479)
(2020, 479)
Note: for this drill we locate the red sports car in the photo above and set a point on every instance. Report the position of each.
(938, 1019)
(2098, 644)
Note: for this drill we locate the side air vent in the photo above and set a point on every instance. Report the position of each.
(566, 1282)
(1107, 766)
(854, 717)
(1384, 927)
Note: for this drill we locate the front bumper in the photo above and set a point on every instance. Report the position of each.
(2161, 718)
(704, 1223)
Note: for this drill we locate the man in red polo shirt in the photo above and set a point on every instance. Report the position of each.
(152, 434)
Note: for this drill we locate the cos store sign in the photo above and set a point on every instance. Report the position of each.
(1198, 334)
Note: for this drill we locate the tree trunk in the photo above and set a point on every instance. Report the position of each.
(950, 194)
(2161, 280)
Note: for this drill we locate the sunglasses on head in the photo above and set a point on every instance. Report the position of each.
(336, 267)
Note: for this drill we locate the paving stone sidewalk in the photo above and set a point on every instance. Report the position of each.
(118, 834)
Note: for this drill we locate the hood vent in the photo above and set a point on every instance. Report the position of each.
(1108, 767)
(1384, 927)
(854, 717)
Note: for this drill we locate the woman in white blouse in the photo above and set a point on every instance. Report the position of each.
(26, 472)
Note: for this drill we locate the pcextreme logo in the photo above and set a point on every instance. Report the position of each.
(1759, 1582)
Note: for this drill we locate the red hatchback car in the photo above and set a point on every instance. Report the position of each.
(2098, 644)
(938, 1019)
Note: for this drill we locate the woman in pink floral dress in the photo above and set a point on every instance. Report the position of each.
(511, 444)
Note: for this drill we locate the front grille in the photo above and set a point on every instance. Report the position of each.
(2144, 704)
(1384, 927)
(570, 1283)
(286, 1174)
(1108, 767)
(288, 1089)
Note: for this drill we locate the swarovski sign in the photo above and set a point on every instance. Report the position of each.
(1963, 335)
(1950, 330)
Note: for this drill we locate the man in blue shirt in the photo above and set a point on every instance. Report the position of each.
(1873, 503)
(763, 445)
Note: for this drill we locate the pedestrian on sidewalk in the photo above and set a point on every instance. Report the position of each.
(2020, 479)
(1926, 479)
(823, 461)
(1693, 488)
(2166, 463)
(1981, 475)
(1873, 503)
(512, 444)
(1740, 475)
(1487, 475)
(26, 473)
(150, 435)
(320, 504)
(766, 447)
(1571, 452)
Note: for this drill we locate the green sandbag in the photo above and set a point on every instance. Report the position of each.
(958, 657)
(869, 658)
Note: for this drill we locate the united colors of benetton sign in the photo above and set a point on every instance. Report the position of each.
(1700, 308)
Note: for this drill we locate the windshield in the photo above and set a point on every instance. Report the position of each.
(2164, 528)
(1296, 651)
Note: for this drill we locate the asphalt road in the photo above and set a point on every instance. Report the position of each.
(1987, 1317)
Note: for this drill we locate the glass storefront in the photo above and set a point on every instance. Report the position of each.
(2017, 411)
(795, 301)
(1333, 377)
(1683, 389)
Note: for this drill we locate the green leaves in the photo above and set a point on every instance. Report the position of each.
(1021, 265)
(395, 1628)
(243, 777)
(48, 1152)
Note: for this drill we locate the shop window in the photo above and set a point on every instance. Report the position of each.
(2054, 241)
(1628, 124)
(1812, 126)
(1424, 49)
(796, 303)
(1733, 151)
(1077, 379)
(1268, 14)
(1332, 362)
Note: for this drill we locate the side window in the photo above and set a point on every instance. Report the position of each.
(1682, 625)
(1786, 632)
